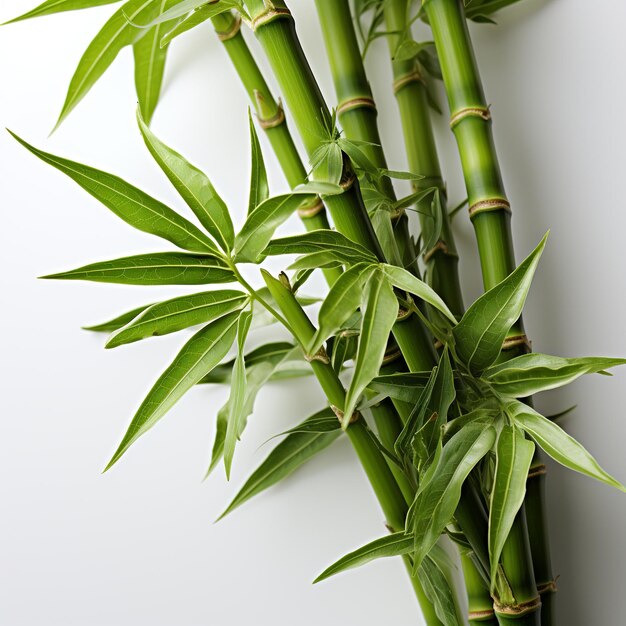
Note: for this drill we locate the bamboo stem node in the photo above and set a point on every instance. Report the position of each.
(406, 79)
(347, 180)
(269, 15)
(549, 587)
(440, 246)
(482, 112)
(275, 120)
(396, 214)
(517, 610)
(515, 341)
(356, 103)
(479, 616)
(536, 471)
(339, 413)
(232, 32)
(489, 205)
(391, 355)
(320, 355)
(312, 210)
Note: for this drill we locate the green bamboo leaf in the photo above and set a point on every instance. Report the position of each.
(217, 452)
(324, 259)
(529, 374)
(357, 156)
(194, 188)
(563, 448)
(261, 224)
(406, 387)
(118, 321)
(514, 454)
(403, 279)
(159, 268)
(150, 59)
(259, 187)
(238, 392)
(130, 203)
(197, 357)
(176, 314)
(298, 447)
(324, 421)
(396, 544)
(435, 574)
(322, 240)
(343, 299)
(381, 221)
(191, 21)
(483, 328)
(437, 500)
(117, 33)
(57, 6)
(380, 310)
(184, 7)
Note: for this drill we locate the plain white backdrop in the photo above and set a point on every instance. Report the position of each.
(137, 546)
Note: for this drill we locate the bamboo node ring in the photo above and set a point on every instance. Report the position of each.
(356, 103)
(347, 180)
(229, 34)
(407, 79)
(489, 204)
(339, 413)
(517, 340)
(312, 210)
(272, 13)
(480, 615)
(536, 471)
(391, 355)
(320, 355)
(549, 587)
(523, 608)
(482, 112)
(440, 246)
(396, 214)
(276, 120)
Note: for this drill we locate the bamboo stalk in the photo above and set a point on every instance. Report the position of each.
(479, 606)
(490, 215)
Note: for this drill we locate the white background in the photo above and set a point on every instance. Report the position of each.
(137, 546)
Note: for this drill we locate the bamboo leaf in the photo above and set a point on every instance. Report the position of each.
(185, 7)
(300, 445)
(435, 575)
(514, 454)
(318, 260)
(117, 33)
(437, 500)
(194, 188)
(259, 187)
(483, 328)
(159, 268)
(261, 224)
(396, 544)
(529, 374)
(196, 359)
(187, 23)
(57, 6)
(403, 279)
(406, 387)
(380, 310)
(217, 451)
(563, 448)
(118, 321)
(150, 59)
(342, 301)
(176, 314)
(130, 203)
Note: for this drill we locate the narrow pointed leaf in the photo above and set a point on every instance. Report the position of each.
(176, 314)
(396, 544)
(380, 310)
(57, 6)
(343, 299)
(259, 187)
(196, 359)
(184, 7)
(191, 21)
(514, 454)
(403, 279)
(563, 448)
(295, 450)
(483, 328)
(217, 451)
(129, 203)
(159, 268)
(436, 577)
(436, 503)
(118, 321)
(194, 188)
(406, 387)
(529, 374)
(261, 224)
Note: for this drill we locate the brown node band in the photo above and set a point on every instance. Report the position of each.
(440, 246)
(320, 355)
(312, 210)
(491, 204)
(549, 587)
(347, 180)
(438, 344)
(272, 13)
(339, 413)
(479, 616)
(276, 120)
(407, 79)
(391, 355)
(517, 340)
(356, 103)
(537, 470)
(482, 112)
(518, 609)
(229, 34)
(396, 214)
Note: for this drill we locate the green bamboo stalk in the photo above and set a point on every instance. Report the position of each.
(271, 118)
(411, 96)
(490, 215)
(479, 606)
(275, 30)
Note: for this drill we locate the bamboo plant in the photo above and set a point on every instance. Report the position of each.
(433, 397)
